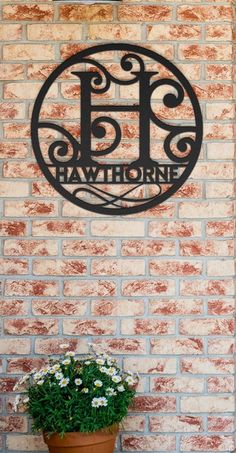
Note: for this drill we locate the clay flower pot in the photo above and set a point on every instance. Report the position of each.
(98, 442)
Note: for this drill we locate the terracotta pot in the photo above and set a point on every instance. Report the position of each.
(98, 442)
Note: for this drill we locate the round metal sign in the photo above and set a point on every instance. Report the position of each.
(123, 132)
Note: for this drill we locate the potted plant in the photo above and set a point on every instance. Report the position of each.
(77, 403)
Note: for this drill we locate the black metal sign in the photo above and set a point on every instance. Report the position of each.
(137, 135)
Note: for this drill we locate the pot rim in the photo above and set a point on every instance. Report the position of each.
(79, 438)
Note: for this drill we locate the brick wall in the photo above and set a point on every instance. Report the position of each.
(156, 289)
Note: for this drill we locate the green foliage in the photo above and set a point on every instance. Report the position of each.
(72, 395)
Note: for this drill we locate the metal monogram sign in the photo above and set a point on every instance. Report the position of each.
(129, 134)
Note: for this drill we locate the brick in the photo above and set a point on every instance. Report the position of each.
(220, 384)
(212, 171)
(30, 327)
(114, 32)
(122, 345)
(213, 366)
(220, 189)
(146, 365)
(220, 151)
(148, 443)
(175, 267)
(10, 110)
(206, 326)
(107, 266)
(223, 228)
(10, 32)
(147, 327)
(155, 404)
(218, 268)
(148, 287)
(14, 189)
(31, 288)
(55, 307)
(54, 32)
(7, 384)
(134, 423)
(144, 13)
(14, 346)
(52, 345)
(214, 403)
(33, 12)
(86, 288)
(17, 247)
(59, 267)
(175, 423)
(43, 189)
(25, 90)
(223, 424)
(219, 111)
(89, 327)
(206, 248)
(11, 71)
(40, 71)
(22, 131)
(90, 13)
(30, 208)
(220, 307)
(27, 52)
(218, 72)
(21, 170)
(147, 248)
(205, 209)
(13, 307)
(173, 32)
(202, 13)
(174, 229)
(89, 248)
(205, 52)
(220, 346)
(14, 266)
(213, 91)
(13, 150)
(176, 385)
(217, 32)
(27, 442)
(208, 287)
(21, 365)
(13, 423)
(206, 443)
(216, 131)
(173, 307)
(115, 228)
(123, 307)
(59, 228)
(177, 346)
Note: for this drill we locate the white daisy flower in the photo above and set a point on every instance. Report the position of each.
(78, 381)
(85, 390)
(116, 379)
(95, 402)
(98, 383)
(100, 361)
(64, 382)
(16, 403)
(45, 371)
(70, 354)
(40, 382)
(56, 367)
(103, 369)
(103, 401)
(26, 400)
(37, 376)
(129, 380)
(110, 391)
(66, 362)
(111, 371)
(120, 388)
(59, 376)
(87, 362)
